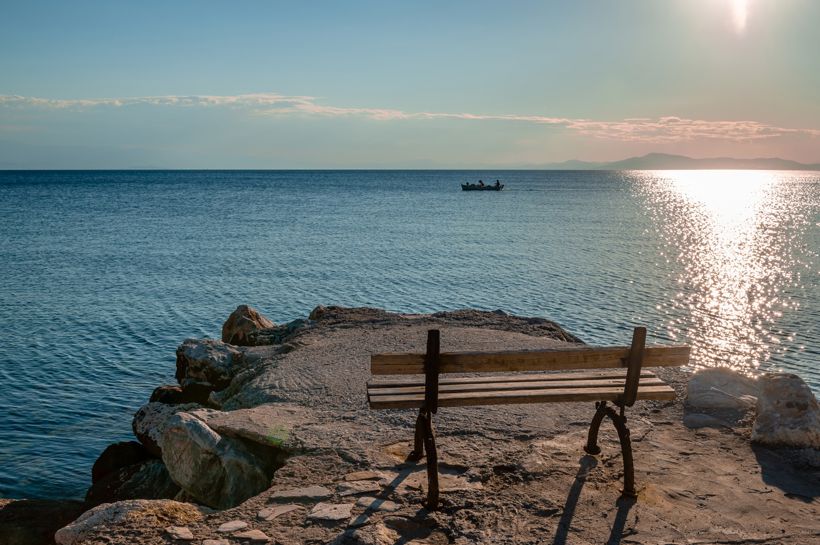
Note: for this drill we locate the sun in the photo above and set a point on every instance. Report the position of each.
(740, 12)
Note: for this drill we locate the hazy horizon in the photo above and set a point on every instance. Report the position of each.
(94, 85)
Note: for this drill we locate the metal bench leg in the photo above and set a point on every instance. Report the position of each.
(626, 451)
(418, 441)
(432, 463)
(619, 420)
(592, 439)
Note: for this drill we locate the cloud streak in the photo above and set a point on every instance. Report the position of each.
(667, 129)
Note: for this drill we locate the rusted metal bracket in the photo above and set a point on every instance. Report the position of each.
(619, 420)
(592, 438)
(432, 463)
(424, 439)
(418, 440)
(633, 364)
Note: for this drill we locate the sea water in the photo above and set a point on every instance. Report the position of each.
(105, 273)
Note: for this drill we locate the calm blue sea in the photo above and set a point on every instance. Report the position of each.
(104, 273)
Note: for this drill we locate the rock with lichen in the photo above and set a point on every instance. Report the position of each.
(242, 322)
(787, 413)
(141, 512)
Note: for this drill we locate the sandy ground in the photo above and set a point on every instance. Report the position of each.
(511, 474)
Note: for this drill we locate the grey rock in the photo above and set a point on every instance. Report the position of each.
(254, 536)
(232, 526)
(276, 335)
(216, 542)
(243, 321)
(377, 504)
(331, 512)
(218, 471)
(149, 424)
(269, 513)
(317, 313)
(193, 392)
(203, 413)
(357, 487)
(269, 425)
(182, 533)
(306, 494)
(787, 413)
(206, 361)
(721, 388)
(167, 393)
(374, 534)
(364, 476)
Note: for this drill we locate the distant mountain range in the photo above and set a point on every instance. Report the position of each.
(664, 161)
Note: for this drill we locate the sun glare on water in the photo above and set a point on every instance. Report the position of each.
(723, 243)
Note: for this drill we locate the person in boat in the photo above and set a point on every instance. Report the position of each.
(480, 183)
(497, 183)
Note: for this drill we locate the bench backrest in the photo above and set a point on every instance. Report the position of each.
(434, 362)
(529, 360)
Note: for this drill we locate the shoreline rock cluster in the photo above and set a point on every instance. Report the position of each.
(191, 450)
(294, 451)
(781, 408)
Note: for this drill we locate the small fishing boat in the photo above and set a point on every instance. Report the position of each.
(497, 186)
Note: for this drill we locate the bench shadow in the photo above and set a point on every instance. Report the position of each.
(409, 531)
(586, 464)
(383, 495)
(624, 504)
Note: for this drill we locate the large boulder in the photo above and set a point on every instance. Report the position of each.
(243, 321)
(721, 388)
(318, 312)
(270, 425)
(276, 335)
(117, 456)
(148, 480)
(33, 522)
(171, 394)
(787, 413)
(142, 513)
(218, 471)
(206, 361)
(149, 423)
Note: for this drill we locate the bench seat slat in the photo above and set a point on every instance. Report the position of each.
(521, 377)
(528, 360)
(510, 397)
(492, 386)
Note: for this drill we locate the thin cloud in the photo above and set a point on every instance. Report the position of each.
(665, 129)
(258, 100)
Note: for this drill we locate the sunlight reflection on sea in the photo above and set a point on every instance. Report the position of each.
(739, 239)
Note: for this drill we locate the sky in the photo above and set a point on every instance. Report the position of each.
(390, 84)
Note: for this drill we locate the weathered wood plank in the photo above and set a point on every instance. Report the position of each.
(513, 397)
(495, 386)
(634, 364)
(530, 360)
(522, 377)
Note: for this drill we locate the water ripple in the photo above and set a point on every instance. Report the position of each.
(106, 272)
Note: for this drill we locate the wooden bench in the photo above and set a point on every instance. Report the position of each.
(613, 374)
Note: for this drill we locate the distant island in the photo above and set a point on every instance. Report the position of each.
(664, 161)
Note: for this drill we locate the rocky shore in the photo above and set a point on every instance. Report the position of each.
(267, 437)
